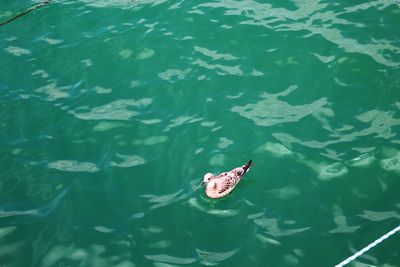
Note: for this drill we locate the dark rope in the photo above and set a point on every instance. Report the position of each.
(26, 12)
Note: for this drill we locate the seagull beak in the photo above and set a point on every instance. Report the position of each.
(203, 183)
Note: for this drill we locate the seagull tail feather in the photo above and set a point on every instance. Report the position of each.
(248, 165)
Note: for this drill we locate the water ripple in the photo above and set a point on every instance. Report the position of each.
(376, 216)
(116, 110)
(172, 75)
(17, 51)
(193, 202)
(73, 166)
(210, 258)
(215, 55)
(392, 163)
(376, 122)
(104, 126)
(287, 192)
(93, 255)
(38, 212)
(272, 227)
(53, 91)
(341, 221)
(220, 68)
(52, 41)
(165, 200)
(270, 110)
(124, 4)
(170, 259)
(128, 161)
(180, 120)
(151, 141)
(363, 160)
(315, 18)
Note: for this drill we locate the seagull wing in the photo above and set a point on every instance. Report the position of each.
(228, 183)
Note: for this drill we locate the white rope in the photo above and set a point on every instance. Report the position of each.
(373, 244)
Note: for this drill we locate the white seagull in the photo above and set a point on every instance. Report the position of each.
(223, 184)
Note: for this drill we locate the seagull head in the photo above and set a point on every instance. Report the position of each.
(207, 178)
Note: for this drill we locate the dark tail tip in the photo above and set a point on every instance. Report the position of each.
(248, 165)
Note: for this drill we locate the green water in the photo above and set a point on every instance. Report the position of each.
(111, 112)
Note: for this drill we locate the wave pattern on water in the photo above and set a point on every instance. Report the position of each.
(73, 166)
(125, 105)
(29, 215)
(116, 110)
(315, 18)
(271, 110)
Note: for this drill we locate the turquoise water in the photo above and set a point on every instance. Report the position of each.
(111, 112)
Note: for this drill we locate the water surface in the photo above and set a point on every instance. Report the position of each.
(111, 112)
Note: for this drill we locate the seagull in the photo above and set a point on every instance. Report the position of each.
(221, 185)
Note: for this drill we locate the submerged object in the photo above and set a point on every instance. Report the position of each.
(221, 185)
